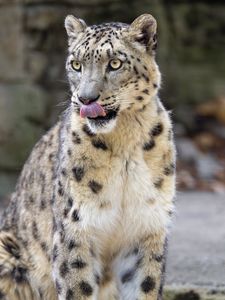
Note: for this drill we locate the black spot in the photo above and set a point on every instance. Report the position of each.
(35, 231)
(146, 78)
(148, 285)
(44, 246)
(75, 215)
(78, 173)
(94, 186)
(52, 200)
(88, 131)
(97, 279)
(63, 269)
(148, 146)
(158, 257)
(169, 170)
(155, 85)
(143, 108)
(31, 199)
(170, 213)
(55, 252)
(64, 173)
(60, 191)
(11, 247)
(69, 294)
(70, 202)
(59, 183)
(86, 288)
(158, 183)
(135, 70)
(99, 144)
(69, 152)
(42, 204)
(139, 98)
(50, 157)
(145, 91)
(76, 138)
(108, 53)
(128, 276)
(65, 212)
(58, 287)
(72, 244)
(62, 232)
(19, 274)
(157, 130)
(78, 264)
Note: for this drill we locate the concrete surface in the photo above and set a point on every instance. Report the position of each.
(197, 241)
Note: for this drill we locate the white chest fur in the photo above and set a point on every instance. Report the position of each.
(133, 205)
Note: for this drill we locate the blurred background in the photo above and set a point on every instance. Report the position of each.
(191, 55)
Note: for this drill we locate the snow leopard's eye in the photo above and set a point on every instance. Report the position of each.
(76, 65)
(115, 64)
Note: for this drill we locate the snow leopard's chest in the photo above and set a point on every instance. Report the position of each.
(130, 207)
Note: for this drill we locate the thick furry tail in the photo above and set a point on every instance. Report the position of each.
(14, 284)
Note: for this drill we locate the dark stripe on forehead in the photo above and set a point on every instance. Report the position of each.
(78, 54)
(111, 44)
(108, 53)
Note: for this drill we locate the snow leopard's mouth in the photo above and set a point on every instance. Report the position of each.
(110, 114)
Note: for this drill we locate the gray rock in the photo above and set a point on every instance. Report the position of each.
(208, 166)
(22, 114)
(37, 65)
(43, 17)
(179, 130)
(7, 184)
(219, 130)
(12, 45)
(187, 151)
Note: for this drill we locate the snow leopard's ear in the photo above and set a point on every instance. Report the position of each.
(74, 27)
(142, 32)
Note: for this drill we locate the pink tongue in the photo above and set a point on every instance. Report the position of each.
(92, 110)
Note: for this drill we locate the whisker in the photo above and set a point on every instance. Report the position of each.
(62, 103)
(62, 81)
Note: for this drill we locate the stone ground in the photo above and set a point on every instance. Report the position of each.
(196, 260)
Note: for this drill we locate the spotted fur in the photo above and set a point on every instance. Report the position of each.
(91, 210)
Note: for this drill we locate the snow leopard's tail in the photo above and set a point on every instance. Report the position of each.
(14, 283)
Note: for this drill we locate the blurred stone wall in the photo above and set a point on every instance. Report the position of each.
(33, 86)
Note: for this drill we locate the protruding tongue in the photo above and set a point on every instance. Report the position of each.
(92, 110)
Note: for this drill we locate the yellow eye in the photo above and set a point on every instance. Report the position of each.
(115, 64)
(76, 65)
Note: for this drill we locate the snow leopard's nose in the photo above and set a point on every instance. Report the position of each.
(88, 100)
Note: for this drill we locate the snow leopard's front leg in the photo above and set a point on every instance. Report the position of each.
(152, 267)
(140, 270)
(76, 270)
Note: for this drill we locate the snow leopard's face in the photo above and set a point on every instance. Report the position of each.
(111, 68)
